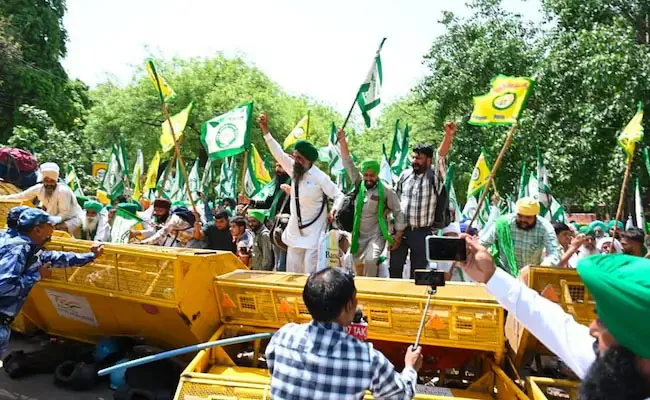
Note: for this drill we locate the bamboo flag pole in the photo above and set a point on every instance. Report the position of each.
(621, 199)
(245, 171)
(180, 159)
(496, 165)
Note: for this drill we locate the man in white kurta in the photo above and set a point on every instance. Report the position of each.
(55, 198)
(314, 187)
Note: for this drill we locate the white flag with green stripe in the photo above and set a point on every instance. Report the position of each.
(123, 222)
(368, 96)
(638, 208)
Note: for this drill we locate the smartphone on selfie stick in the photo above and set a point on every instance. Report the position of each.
(438, 248)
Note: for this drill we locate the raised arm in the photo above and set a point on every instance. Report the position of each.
(278, 152)
(346, 159)
(556, 329)
(450, 131)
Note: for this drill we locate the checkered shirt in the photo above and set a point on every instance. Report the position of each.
(418, 196)
(321, 361)
(528, 245)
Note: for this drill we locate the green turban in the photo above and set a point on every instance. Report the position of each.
(620, 285)
(82, 200)
(612, 222)
(307, 150)
(598, 224)
(129, 207)
(587, 230)
(371, 165)
(93, 205)
(259, 215)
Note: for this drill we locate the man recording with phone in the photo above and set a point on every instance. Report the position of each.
(319, 360)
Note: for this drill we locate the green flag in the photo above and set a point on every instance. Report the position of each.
(228, 134)
(168, 191)
(335, 162)
(227, 179)
(257, 176)
(396, 146)
(72, 180)
(402, 159)
(113, 182)
(207, 180)
(195, 182)
(178, 184)
(123, 222)
(523, 181)
(368, 96)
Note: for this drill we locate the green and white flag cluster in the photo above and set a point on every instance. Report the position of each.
(207, 180)
(116, 173)
(229, 134)
(334, 152)
(227, 179)
(385, 173)
(538, 187)
(368, 96)
(195, 183)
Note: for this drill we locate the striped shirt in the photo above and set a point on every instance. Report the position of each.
(321, 361)
(419, 194)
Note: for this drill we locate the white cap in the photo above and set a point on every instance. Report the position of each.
(50, 170)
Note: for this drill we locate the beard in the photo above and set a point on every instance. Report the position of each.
(90, 224)
(526, 227)
(417, 168)
(370, 185)
(299, 171)
(49, 190)
(614, 375)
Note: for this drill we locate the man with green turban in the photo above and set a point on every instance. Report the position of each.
(310, 190)
(616, 365)
(599, 228)
(94, 225)
(262, 252)
(619, 228)
(374, 202)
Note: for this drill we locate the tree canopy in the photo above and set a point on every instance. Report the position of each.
(589, 58)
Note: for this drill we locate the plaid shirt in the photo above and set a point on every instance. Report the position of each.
(528, 245)
(418, 196)
(321, 361)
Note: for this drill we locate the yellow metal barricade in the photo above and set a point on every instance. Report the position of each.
(460, 316)
(6, 205)
(561, 285)
(214, 375)
(165, 296)
(551, 389)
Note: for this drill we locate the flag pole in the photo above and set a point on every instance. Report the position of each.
(350, 112)
(621, 199)
(180, 159)
(496, 165)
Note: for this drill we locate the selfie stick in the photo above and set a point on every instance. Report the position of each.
(432, 291)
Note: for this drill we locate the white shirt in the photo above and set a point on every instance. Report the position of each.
(103, 232)
(313, 187)
(62, 203)
(556, 329)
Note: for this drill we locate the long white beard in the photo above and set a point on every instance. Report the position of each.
(89, 225)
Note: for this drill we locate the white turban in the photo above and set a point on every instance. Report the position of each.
(50, 170)
(454, 227)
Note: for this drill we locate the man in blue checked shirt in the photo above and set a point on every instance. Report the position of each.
(23, 262)
(319, 360)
